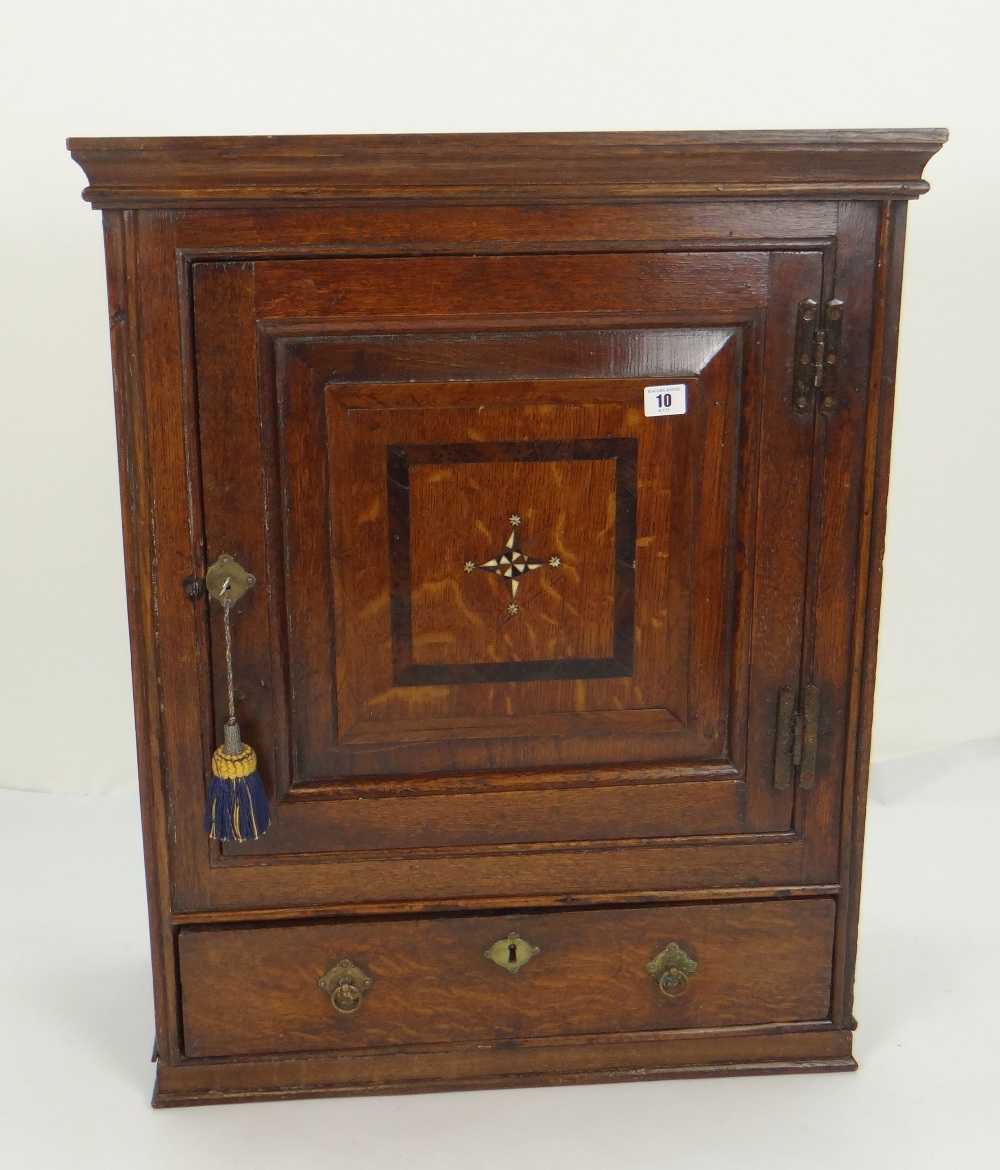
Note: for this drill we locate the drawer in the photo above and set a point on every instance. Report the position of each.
(435, 980)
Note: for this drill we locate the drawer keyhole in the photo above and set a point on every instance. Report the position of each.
(511, 952)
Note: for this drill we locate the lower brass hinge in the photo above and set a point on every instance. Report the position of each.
(817, 355)
(796, 739)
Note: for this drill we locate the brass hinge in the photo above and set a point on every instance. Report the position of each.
(796, 739)
(817, 354)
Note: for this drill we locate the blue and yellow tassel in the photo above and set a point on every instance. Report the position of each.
(236, 808)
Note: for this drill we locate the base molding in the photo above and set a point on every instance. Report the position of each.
(822, 1049)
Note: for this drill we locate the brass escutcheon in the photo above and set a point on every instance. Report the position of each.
(227, 580)
(345, 984)
(511, 952)
(672, 969)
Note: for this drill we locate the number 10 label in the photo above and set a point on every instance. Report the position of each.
(665, 400)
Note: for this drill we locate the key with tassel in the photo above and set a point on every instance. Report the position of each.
(236, 807)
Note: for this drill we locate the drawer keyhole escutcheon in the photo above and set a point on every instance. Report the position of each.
(511, 952)
(345, 984)
(672, 969)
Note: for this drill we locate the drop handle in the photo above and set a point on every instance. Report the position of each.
(672, 969)
(345, 983)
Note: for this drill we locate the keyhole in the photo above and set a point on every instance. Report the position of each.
(512, 954)
(226, 585)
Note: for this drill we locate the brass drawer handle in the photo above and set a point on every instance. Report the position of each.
(345, 984)
(672, 969)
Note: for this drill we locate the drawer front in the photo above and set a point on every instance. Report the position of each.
(257, 990)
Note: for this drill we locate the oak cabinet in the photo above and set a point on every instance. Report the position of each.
(560, 462)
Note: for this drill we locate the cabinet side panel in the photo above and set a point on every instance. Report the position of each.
(882, 386)
(124, 311)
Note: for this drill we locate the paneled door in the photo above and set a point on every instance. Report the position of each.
(531, 538)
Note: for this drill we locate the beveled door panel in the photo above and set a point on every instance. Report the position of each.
(595, 645)
(492, 579)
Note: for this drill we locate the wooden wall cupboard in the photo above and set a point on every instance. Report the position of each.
(561, 464)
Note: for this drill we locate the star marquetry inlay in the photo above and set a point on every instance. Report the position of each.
(511, 564)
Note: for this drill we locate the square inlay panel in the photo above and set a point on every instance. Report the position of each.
(557, 597)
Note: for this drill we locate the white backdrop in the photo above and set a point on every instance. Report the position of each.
(208, 67)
